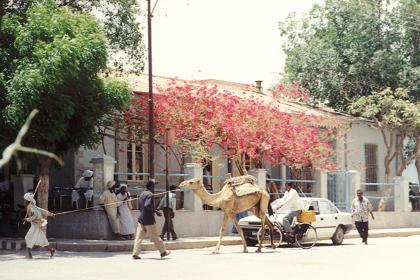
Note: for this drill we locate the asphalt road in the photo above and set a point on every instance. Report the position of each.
(383, 258)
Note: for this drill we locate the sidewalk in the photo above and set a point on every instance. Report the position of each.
(80, 245)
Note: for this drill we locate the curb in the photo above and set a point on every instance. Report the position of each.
(79, 245)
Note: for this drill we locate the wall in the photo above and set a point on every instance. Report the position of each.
(357, 136)
(94, 224)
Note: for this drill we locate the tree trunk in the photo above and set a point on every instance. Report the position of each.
(44, 176)
(240, 166)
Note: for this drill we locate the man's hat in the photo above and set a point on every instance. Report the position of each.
(87, 173)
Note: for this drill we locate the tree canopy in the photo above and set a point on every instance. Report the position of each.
(350, 48)
(119, 22)
(248, 124)
(50, 59)
(395, 114)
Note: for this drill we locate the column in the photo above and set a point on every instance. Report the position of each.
(320, 187)
(261, 175)
(103, 168)
(401, 189)
(192, 201)
(352, 184)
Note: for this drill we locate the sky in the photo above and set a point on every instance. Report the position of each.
(233, 40)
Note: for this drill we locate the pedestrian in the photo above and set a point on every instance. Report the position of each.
(360, 210)
(126, 220)
(413, 198)
(36, 234)
(83, 188)
(169, 213)
(147, 223)
(110, 202)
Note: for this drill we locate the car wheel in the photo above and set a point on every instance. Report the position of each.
(250, 242)
(338, 236)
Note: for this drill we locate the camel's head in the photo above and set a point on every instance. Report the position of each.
(191, 184)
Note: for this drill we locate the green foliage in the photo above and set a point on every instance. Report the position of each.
(118, 19)
(391, 109)
(51, 57)
(350, 48)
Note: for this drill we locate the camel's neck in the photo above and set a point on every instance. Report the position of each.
(205, 196)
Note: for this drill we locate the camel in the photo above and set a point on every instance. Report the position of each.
(231, 204)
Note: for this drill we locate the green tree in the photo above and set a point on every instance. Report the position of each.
(50, 57)
(119, 21)
(350, 48)
(395, 114)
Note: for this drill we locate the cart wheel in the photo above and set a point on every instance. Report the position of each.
(277, 236)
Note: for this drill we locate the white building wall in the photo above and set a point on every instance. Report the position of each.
(358, 135)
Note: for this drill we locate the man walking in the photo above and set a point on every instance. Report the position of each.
(360, 210)
(147, 223)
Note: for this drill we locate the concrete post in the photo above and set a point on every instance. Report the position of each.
(103, 168)
(261, 175)
(352, 184)
(320, 188)
(283, 175)
(401, 189)
(191, 201)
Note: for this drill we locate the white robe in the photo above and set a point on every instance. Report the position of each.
(36, 234)
(126, 220)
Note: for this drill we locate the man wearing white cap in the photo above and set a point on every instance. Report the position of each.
(36, 234)
(110, 202)
(83, 187)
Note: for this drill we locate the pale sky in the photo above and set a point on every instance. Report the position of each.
(233, 40)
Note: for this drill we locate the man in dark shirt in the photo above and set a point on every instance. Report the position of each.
(147, 223)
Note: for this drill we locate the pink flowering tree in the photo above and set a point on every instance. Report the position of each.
(239, 123)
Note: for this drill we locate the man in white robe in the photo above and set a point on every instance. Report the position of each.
(110, 202)
(126, 220)
(83, 187)
(36, 234)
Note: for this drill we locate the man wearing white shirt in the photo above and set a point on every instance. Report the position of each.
(290, 201)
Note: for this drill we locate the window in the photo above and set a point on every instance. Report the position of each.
(135, 162)
(314, 206)
(371, 164)
(326, 207)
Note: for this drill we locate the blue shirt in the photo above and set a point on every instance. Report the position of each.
(147, 208)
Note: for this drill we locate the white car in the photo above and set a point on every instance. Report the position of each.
(330, 222)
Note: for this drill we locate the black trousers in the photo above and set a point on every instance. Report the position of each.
(363, 229)
(168, 225)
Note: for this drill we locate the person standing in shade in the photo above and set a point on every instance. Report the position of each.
(110, 202)
(36, 234)
(147, 223)
(360, 210)
(126, 220)
(168, 213)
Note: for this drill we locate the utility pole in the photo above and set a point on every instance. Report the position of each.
(151, 159)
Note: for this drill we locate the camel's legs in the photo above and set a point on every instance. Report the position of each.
(239, 229)
(222, 229)
(261, 237)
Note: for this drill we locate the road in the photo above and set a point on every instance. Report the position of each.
(383, 258)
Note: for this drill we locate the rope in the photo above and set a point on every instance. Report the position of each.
(103, 205)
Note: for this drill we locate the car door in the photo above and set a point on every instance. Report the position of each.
(319, 224)
(328, 218)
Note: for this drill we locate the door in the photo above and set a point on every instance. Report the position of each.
(328, 217)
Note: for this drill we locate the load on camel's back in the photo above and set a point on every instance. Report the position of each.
(237, 195)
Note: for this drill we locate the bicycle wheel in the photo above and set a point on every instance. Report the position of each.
(305, 236)
(277, 236)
